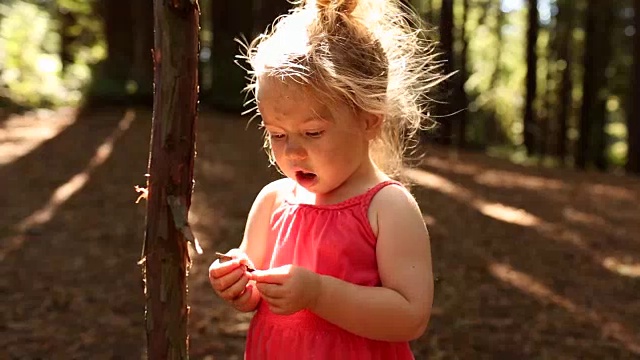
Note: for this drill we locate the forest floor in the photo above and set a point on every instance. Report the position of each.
(533, 263)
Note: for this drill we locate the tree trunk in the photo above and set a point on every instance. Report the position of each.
(592, 142)
(463, 100)
(532, 61)
(230, 20)
(549, 104)
(111, 75)
(142, 63)
(495, 134)
(565, 29)
(633, 119)
(171, 178)
(67, 20)
(446, 41)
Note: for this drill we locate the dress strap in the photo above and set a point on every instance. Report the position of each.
(374, 190)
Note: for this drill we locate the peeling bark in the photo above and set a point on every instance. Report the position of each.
(172, 154)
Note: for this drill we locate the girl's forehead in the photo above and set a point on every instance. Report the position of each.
(279, 101)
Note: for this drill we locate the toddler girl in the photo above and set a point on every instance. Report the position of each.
(341, 252)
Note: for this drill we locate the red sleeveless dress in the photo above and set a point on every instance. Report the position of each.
(335, 240)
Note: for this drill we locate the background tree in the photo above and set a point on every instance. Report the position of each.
(445, 132)
(461, 94)
(539, 70)
(592, 140)
(565, 36)
(530, 128)
(633, 119)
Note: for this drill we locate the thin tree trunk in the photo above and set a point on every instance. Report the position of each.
(112, 74)
(446, 41)
(600, 120)
(169, 186)
(633, 119)
(547, 126)
(463, 102)
(532, 61)
(592, 142)
(565, 27)
(142, 62)
(67, 20)
(230, 20)
(495, 133)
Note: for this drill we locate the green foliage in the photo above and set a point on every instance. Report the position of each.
(30, 65)
(31, 72)
(506, 97)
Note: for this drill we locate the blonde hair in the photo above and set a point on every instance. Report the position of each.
(374, 55)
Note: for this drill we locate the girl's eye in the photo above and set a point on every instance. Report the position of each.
(314, 134)
(276, 136)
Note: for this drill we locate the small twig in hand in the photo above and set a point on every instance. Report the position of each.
(224, 258)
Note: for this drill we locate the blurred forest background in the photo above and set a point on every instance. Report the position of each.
(529, 187)
(548, 81)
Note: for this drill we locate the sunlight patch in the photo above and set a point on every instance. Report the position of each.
(507, 213)
(494, 210)
(68, 189)
(529, 285)
(522, 217)
(509, 179)
(580, 217)
(615, 265)
(21, 134)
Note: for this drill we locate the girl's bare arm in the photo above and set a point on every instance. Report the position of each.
(255, 239)
(400, 309)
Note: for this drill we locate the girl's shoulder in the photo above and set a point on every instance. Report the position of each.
(392, 202)
(277, 190)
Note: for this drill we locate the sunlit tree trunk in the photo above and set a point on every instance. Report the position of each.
(547, 118)
(633, 119)
(171, 178)
(532, 61)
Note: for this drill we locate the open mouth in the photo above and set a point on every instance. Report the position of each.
(305, 178)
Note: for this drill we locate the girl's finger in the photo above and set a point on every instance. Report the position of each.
(219, 269)
(235, 289)
(223, 283)
(244, 297)
(271, 276)
(270, 290)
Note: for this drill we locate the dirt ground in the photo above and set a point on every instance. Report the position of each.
(532, 263)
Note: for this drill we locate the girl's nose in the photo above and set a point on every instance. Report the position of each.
(294, 150)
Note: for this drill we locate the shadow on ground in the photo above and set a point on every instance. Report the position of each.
(533, 263)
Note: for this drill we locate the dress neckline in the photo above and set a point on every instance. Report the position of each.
(352, 201)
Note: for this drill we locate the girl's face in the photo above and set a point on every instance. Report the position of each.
(320, 147)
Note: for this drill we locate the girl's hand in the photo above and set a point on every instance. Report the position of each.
(287, 289)
(230, 281)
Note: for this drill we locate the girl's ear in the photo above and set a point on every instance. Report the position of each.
(372, 124)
